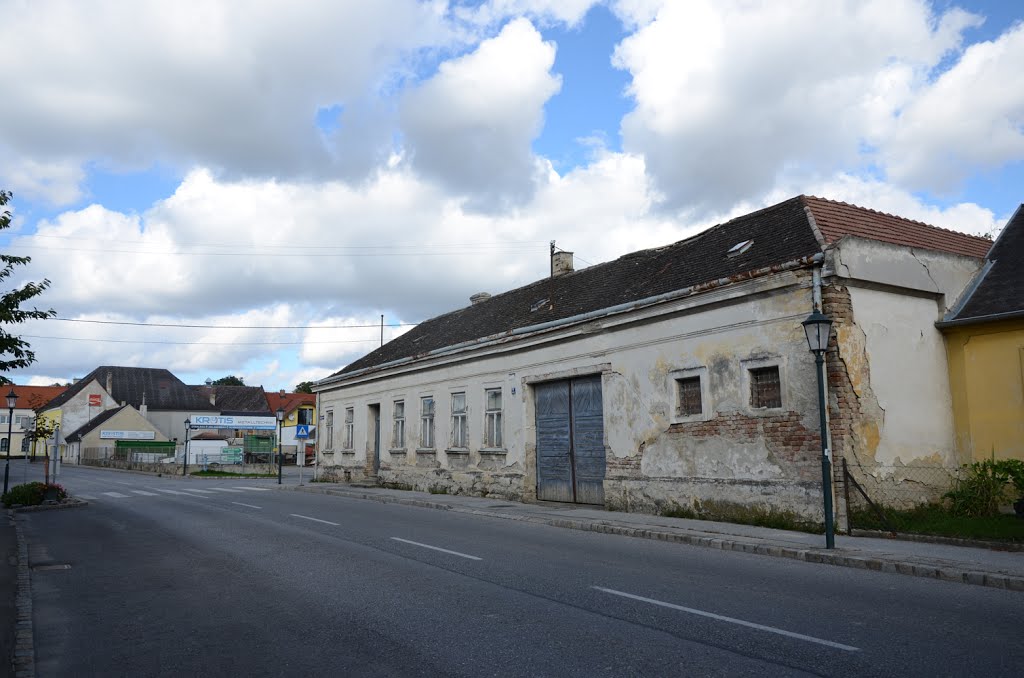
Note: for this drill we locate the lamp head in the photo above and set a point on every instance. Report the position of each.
(817, 328)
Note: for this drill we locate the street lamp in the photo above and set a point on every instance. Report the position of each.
(817, 328)
(12, 400)
(280, 456)
(184, 461)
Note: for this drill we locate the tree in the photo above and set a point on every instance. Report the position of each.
(230, 380)
(304, 387)
(11, 312)
(42, 430)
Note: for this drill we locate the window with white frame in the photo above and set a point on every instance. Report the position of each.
(765, 387)
(427, 422)
(23, 421)
(329, 425)
(460, 425)
(3, 444)
(350, 427)
(492, 418)
(25, 444)
(398, 432)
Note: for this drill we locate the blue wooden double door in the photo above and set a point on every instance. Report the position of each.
(570, 440)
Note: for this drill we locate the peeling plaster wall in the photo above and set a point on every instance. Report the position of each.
(655, 458)
(905, 360)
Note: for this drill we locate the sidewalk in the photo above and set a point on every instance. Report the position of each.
(983, 567)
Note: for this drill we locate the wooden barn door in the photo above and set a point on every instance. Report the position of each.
(570, 441)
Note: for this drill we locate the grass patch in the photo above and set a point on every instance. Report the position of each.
(759, 516)
(230, 474)
(936, 519)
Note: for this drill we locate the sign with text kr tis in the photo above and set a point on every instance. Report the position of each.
(214, 421)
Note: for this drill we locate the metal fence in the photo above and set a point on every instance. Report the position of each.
(126, 457)
(873, 491)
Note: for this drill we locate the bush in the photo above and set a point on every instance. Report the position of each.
(32, 494)
(985, 486)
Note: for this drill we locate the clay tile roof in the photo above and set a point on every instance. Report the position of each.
(34, 397)
(838, 219)
(289, 401)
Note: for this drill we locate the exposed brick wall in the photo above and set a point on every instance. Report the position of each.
(794, 447)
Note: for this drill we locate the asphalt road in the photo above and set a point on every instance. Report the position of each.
(175, 577)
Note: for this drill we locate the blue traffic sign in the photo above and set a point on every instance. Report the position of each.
(302, 431)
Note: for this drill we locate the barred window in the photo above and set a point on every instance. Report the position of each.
(689, 396)
(765, 387)
(329, 425)
(460, 426)
(492, 419)
(398, 435)
(427, 422)
(350, 427)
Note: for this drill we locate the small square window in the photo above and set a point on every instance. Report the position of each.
(690, 403)
(765, 387)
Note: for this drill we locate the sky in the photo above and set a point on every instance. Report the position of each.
(222, 188)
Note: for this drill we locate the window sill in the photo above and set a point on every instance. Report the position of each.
(494, 450)
(397, 450)
(457, 451)
(426, 450)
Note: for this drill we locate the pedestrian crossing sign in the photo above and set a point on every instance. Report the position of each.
(302, 431)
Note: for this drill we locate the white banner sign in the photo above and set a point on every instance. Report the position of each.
(247, 423)
(128, 435)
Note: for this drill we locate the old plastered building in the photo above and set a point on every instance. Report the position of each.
(673, 376)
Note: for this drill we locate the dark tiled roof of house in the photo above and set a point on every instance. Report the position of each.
(235, 400)
(34, 397)
(289, 401)
(160, 389)
(838, 219)
(1001, 288)
(90, 425)
(780, 234)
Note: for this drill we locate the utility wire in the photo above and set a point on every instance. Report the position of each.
(234, 327)
(205, 343)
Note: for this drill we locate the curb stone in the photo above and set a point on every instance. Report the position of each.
(809, 555)
(24, 654)
(69, 503)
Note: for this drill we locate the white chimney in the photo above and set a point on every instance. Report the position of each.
(561, 263)
(479, 297)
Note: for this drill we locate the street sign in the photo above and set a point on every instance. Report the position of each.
(95, 400)
(302, 431)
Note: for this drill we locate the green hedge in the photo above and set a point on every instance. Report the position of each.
(32, 494)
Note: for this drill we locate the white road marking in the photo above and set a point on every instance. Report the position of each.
(317, 520)
(226, 489)
(249, 505)
(116, 494)
(731, 620)
(87, 497)
(200, 491)
(144, 493)
(187, 493)
(121, 482)
(257, 489)
(436, 548)
(170, 492)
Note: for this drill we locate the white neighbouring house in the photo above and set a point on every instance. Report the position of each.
(676, 378)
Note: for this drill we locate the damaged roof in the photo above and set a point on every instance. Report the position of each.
(764, 239)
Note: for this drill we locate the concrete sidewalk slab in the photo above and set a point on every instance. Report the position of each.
(978, 566)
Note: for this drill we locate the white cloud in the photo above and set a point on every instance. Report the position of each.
(971, 117)
(204, 81)
(729, 95)
(569, 12)
(470, 126)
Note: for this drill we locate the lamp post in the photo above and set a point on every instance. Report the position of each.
(12, 400)
(184, 461)
(817, 328)
(280, 455)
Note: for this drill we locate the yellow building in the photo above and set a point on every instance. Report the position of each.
(985, 349)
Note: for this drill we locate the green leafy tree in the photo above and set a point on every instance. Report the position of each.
(42, 431)
(304, 387)
(14, 351)
(230, 380)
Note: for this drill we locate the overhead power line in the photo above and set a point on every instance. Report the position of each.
(235, 327)
(205, 343)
